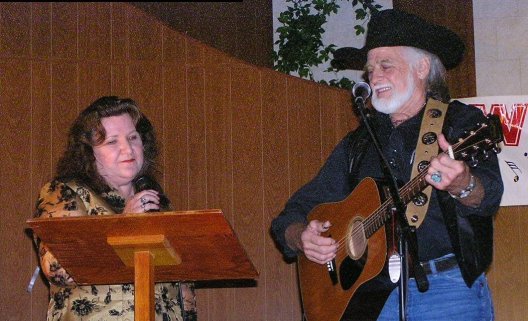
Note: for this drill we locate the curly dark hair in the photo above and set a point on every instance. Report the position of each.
(78, 161)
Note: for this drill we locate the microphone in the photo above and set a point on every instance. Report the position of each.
(144, 182)
(361, 90)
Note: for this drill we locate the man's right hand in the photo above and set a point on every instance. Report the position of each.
(308, 239)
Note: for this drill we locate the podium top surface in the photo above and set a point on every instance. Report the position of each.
(203, 239)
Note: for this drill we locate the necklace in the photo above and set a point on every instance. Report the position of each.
(397, 122)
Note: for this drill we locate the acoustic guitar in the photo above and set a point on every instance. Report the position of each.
(358, 225)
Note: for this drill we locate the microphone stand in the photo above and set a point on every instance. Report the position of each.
(407, 245)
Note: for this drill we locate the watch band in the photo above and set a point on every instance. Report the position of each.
(466, 191)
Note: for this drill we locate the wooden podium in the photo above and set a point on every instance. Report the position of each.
(146, 248)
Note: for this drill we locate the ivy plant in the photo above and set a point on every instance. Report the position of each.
(300, 46)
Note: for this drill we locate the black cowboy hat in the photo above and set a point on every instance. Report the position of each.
(389, 28)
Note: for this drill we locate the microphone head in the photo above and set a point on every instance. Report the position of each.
(361, 89)
(144, 182)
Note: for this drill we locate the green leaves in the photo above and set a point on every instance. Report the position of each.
(300, 45)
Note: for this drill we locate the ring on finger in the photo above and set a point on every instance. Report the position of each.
(436, 177)
(143, 201)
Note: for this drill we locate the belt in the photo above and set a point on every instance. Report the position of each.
(439, 265)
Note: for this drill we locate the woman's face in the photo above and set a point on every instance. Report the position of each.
(120, 157)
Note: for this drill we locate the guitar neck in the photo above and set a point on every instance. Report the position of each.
(377, 219)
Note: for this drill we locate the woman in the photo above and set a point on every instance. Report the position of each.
(110, 146)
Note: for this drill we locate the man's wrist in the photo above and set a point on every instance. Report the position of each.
(293, 236)
(466, 191)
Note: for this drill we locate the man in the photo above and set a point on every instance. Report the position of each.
(405, 59)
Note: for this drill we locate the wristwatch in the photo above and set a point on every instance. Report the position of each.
(466, 191)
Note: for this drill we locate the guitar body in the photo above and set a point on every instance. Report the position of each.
(324, 299)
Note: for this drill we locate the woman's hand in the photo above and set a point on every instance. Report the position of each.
(142, 202)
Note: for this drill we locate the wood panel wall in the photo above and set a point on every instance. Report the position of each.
(233, 136)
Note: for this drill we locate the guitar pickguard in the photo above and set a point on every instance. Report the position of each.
(350, 270)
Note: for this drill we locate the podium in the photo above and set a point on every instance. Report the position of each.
(146, 248)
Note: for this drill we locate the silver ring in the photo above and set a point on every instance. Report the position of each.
(143, 206)
(143, 201)
(436, 177)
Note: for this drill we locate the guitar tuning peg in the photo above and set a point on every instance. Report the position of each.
(473, 162)
(485, 155)
(496, 149)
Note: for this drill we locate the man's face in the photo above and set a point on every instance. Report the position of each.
(392, 79)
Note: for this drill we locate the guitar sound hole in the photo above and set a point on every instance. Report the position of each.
(356, 239)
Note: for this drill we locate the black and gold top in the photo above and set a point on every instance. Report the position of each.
(68, 301)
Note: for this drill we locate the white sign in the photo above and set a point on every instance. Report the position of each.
(513, 158)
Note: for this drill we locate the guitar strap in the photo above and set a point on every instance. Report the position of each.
(426, 148)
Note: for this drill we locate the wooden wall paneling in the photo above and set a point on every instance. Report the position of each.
(219, 145)
(195, 52)
(346, 117)
(15, 29)
(146, 89)
(214, 57)
(174, 47)
(508, 274)
(337, 118)
(95, 80)
(15, 150)
(41, 29)
(41, 166)
(304, 131)
(145, 37)
(282, 301)
(462, 80)
(523, 245)
(218, 124)
(120, 80)
(175, 135)
(95, 25)
(64, 27)
(65, 104)
(329, 130)
(197, 158)
(120, 31)
(246, 108)
(507, 258)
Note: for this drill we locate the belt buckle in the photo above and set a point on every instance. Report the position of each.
(439, 265)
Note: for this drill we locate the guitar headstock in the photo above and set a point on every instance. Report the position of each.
(478, 143)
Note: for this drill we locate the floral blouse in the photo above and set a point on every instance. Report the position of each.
(68, 301)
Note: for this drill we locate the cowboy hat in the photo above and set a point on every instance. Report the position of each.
(389, 28)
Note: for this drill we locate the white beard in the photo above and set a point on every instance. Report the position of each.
(393, 104)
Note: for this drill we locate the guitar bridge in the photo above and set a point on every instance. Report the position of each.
(331, 267)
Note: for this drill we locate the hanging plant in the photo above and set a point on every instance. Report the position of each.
(300, 45)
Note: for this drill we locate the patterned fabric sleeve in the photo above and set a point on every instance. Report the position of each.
(56, 199)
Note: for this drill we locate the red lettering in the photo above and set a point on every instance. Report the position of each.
(512, 122)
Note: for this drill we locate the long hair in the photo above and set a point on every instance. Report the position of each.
(87, 131)
(436, 85)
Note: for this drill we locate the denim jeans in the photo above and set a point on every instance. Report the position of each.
(448, 298)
